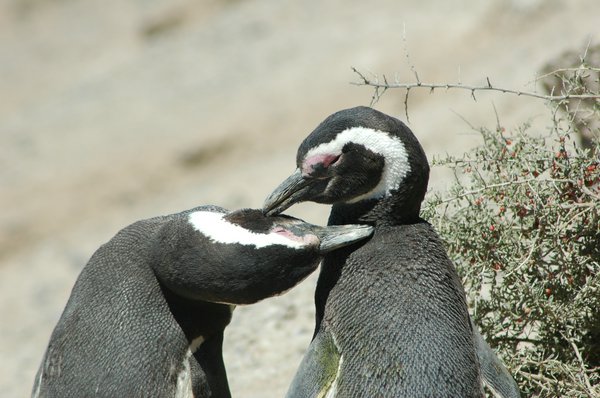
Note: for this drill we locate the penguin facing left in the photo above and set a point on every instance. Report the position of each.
(147, 313)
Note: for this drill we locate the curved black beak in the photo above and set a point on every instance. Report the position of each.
(335, 236)
(290, 191)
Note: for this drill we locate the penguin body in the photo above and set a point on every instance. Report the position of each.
(391, 313)
(391, 338)
(147, 313)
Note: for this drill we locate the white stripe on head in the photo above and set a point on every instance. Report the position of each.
(216, 228)
(396, 166)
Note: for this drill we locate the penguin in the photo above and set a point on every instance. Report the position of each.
(391, 312)
(147, 313)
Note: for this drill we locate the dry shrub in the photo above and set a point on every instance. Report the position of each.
(522, 223)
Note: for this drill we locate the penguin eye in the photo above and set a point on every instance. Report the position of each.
(330, 160)
(286, 233)
(334, 160)
(318, 164)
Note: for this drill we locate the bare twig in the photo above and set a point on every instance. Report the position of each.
(586, 379)
(539, 377)
(589, 192)
(487, 87)
(502, 184)
(410, 64)
(376, 93)
(532, 248)
(561, 71)
(380, 88)
(587, 48)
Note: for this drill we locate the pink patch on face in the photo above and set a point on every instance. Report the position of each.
(288, 234)
(324, 160)
(308, 239)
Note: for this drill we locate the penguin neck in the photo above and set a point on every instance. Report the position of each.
(401, 207)
(398, 208)
(197, 318)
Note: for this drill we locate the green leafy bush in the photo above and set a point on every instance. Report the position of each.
(522, 223)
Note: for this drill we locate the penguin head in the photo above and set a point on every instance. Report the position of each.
(252, 228)
(356, 155)
(244, 256)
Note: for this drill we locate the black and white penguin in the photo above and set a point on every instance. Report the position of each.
(147, 313)
(391, 313)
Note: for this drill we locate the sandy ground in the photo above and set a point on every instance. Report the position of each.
(115, 111)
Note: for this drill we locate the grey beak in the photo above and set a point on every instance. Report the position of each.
(286, 194)
(335, 236)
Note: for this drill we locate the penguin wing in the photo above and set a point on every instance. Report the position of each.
(493, 372)
(318, 371)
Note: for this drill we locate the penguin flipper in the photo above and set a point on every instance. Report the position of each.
(493, 372)
(318, 370)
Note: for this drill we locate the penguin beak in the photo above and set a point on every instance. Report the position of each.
(335, 236)
(294, 189)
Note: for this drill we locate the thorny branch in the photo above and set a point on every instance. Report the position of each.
(586, 379)
(380, 87)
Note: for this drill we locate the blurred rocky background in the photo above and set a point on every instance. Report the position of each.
(115, 111)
